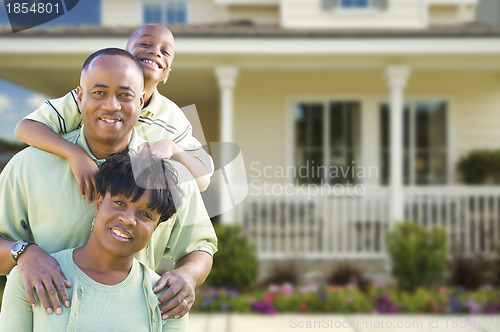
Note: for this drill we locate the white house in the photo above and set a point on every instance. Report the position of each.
(350, 114)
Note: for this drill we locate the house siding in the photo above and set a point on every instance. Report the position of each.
(448, 14)
(399, 14)
(264, 115)
(121, 13)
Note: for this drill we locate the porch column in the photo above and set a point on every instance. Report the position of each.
(396, 80)
(226, 78)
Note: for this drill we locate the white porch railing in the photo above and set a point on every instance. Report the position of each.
(327, 225)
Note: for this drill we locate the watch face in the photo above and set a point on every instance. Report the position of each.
(17, 246)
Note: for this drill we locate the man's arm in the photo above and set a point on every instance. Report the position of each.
(40, 272)
(190, 272)
(17, 313)
(6, 261)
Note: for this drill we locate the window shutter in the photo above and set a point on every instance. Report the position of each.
(380, 4)
(329, 4)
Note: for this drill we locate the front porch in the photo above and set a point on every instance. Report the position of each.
(325, 223)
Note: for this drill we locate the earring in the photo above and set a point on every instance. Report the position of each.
(92, 227)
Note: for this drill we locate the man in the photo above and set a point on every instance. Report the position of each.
(40, 201)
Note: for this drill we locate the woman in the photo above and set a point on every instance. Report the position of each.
(111, 290)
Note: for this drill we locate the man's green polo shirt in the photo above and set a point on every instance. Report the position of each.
(40, 202)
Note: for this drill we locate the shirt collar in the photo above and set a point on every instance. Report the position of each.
(134, 143)
(154, 103)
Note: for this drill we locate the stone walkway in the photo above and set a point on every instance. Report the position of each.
(357, 323)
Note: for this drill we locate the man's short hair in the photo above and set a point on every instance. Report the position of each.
(111, 51)
(118, 176)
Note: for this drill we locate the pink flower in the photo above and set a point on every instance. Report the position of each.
(287, 289)
(303, 307)
(443, 290)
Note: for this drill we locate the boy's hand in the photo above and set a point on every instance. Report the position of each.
(42, 272)
(85, 170)
(164, 148)
(180, 294)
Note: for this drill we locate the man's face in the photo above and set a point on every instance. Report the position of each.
(110, 97)
(153, 45)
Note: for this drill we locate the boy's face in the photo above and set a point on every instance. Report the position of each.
(110, 97)
(153, 45)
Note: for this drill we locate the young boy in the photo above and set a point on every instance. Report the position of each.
(161, 123)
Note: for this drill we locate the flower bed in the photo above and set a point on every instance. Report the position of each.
(349, 299)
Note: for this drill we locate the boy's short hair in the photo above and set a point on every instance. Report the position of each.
(111, 51)
(131, 175)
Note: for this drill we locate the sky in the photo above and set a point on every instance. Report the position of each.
(15, 101)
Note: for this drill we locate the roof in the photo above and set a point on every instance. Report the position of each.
(247, 29)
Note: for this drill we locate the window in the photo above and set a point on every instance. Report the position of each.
(425, 144)
(152, 13)
(169, 12)
(327, 142)
(354, 4)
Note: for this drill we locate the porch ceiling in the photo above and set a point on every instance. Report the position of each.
(50, 64)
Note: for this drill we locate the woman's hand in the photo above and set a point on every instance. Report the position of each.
(42, 272)
(85, 171)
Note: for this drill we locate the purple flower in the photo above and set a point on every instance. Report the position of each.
(455, 304)
(474, 307)
(322, 296)
(232, 293)
(263, 308)
(206, 302)
(224, 307)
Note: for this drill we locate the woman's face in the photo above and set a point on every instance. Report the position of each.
(124, 227)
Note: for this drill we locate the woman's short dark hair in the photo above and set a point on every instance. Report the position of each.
(131, 175)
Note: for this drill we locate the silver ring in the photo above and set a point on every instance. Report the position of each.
(185, 303)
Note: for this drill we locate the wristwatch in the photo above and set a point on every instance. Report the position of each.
(18, 248)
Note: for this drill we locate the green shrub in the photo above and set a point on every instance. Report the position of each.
(235, 264)
(418, 255)
(481, 166)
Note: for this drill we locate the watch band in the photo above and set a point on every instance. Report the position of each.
(22, 245)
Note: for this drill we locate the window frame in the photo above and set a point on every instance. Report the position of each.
(369, 6)
(164, 8)
(411, 101)
(325, 102)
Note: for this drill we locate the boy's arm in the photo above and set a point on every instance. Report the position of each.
(39, 135)
(169, 149)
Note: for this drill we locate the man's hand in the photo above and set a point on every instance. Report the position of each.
(180, 293)
(85, 171)
(42, 272)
